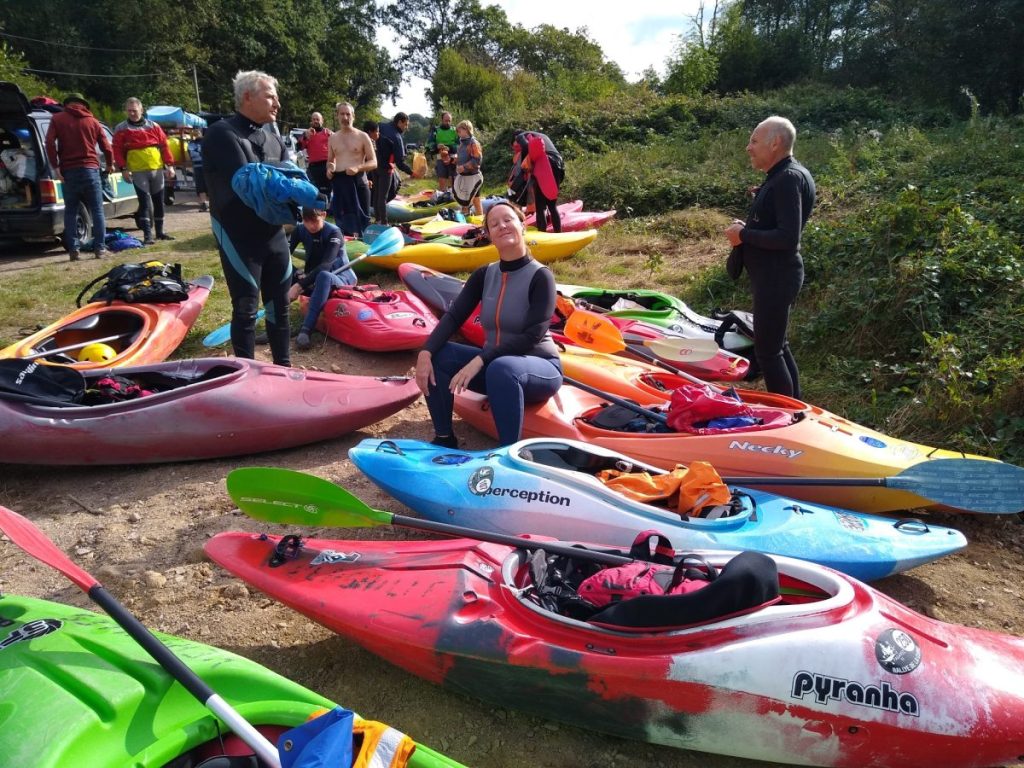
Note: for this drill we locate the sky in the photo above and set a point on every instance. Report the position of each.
(642, 37)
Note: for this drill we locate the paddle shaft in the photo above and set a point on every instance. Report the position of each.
(628, 404)
(518, 542)
(34, 542)
(79, 345)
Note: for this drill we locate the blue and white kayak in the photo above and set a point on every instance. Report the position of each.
(549, 486)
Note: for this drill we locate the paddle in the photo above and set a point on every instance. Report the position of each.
(288, 497)
(388, 242)
(973, 485)
(35, 543)
(661, 418)
(79, 345)
(601, 334)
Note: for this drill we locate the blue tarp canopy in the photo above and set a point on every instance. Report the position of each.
(174, 117)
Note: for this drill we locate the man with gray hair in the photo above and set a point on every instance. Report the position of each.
(769, 247)
(141, 152)
(253, 252)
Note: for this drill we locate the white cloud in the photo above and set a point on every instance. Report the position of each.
(629, 35)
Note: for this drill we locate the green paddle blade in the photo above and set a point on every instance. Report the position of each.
(294, 498)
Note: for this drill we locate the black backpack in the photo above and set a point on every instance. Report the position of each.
(152, 282)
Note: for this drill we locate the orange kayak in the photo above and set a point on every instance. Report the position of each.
(801, 441)
(138, 333)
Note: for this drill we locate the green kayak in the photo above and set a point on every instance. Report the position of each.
(660, 309)
(76, 690)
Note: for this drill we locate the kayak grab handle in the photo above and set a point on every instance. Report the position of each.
(911, 525)
(388, 446)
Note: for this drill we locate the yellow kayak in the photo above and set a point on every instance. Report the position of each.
(442, 257)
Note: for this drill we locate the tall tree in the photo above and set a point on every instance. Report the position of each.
(431, 26)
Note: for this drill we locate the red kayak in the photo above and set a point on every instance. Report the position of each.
(196, 409)
(438, 291)
(137, 333)
(366, 317)
(775, 659)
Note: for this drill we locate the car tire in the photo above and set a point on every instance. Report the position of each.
(83, 225)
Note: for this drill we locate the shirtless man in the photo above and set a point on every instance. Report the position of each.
(349, 156)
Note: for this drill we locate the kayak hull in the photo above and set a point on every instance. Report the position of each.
(148, 333)
(234, 407)
(806, 681)
(816, 443)
(549, 487)
(76, 684)
(370, 319)
(544, 247)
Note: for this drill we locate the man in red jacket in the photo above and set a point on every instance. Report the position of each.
(71, 142)
(315, 144)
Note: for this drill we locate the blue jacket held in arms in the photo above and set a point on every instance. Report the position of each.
(272, 191)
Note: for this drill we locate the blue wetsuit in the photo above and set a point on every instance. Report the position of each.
(253, 252)
(325, 253)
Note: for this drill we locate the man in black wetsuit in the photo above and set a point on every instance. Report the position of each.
(253, 252)
(770, 242)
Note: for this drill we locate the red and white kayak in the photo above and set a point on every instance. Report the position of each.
(199, 409)
(808, 667)
(366, 317)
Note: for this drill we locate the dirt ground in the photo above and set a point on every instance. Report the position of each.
(141, 529)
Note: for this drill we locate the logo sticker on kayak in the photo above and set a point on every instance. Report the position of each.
(364, 315)
(481, 481)
(850, 522)
(400, 315)
(897, 652)
(775, 450)
(30, 631)
(825, 689)
(330, 557)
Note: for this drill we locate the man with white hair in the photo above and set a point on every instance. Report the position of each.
(770, 247)
(253, 252)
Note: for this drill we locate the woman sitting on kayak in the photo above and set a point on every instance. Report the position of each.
(519, 362)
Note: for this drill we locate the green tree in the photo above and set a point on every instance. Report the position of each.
(432, 26)
(691, 71)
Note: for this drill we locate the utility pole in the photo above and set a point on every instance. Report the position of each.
(195, 81)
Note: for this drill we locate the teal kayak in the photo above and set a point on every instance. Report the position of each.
(549, 486)
(76, 690)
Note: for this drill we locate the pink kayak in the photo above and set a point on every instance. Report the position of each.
(196, 409)
(366, 317)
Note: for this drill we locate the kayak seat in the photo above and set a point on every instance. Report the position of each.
(747, 583)
(569, 457)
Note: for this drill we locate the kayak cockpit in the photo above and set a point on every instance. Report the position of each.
(580, 464)
(117, 328)
(761, 589)
(58, 386)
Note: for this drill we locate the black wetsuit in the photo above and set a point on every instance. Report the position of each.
(543, 205)
(771, 254)
(253, 252)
